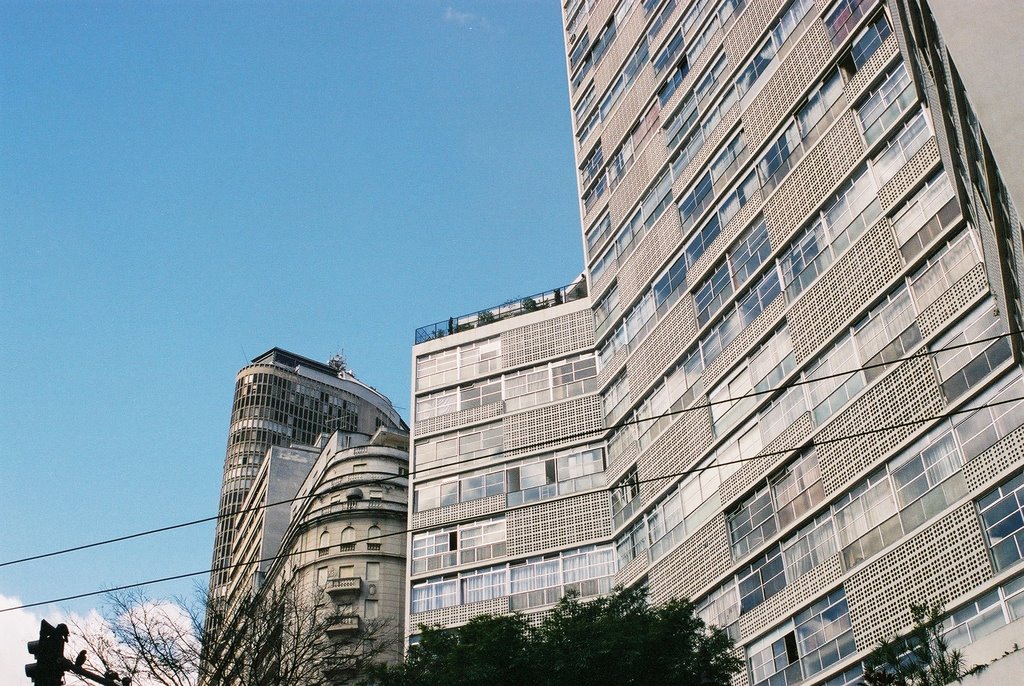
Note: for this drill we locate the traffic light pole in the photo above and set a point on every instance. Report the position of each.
(50, 664)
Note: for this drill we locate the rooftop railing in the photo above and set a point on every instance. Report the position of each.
(512, 308)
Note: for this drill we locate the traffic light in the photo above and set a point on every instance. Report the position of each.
(48, 669)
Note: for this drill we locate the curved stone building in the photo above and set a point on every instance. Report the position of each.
(339, 545)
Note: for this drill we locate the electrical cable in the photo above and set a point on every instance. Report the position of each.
(532, 446)
(279, 556)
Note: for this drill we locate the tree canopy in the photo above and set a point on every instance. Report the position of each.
(617, 639)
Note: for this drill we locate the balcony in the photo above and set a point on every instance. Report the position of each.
(343, 625)
(512, 308)
(345, 587)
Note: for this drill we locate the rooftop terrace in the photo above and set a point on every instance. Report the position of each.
(512, 308)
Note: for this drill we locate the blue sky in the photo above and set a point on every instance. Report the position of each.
(185, 185)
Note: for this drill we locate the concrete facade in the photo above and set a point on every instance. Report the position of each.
(806, 407)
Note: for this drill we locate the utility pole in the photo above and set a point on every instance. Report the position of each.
(50, 664)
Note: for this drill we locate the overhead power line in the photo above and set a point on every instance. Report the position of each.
(687, 472)
(531, 446)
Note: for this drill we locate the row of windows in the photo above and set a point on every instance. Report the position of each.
(459, 544)
(462, 362)
(886, 332)
(623, 158)
(776, 160)
(529, 480)
(519, 390)
(810, 642)
(451, 448)
(830, 232)
(774, 164)
(531, 583)
(794, 491)
(915, 485)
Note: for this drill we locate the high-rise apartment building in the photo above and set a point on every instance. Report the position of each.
(283, 399)
(804, 269)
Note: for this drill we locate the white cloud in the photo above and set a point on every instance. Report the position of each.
(17, 627)
(467, 20)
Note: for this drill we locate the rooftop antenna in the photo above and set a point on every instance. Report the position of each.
(339, 363)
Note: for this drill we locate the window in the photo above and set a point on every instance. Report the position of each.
(437, 404)
(845, 216)
(481, 485)
(731, 154)
(659, 21)
(886, 103)
(775, 159)
(721, 608)
(616, 398)
(434, 594)
(773, 361)
(675, 77)
(901, 147)
(484, 584)
(982, 616)
(812, 641)
(818, 104)
(526, 389)
(668, 287)
(778, 34)
(657, 199)
(887, 322)
(943, 269)
(798, 488)
(624, 495)
(868, 40)
(824, 633)
(543, 581)
(480, 541)
(479, 394)
(925, 215)
(749, 252)
(830, 390)
(843, 17)
(965, 367)
(451, 448)
(812, 545)
(1002, 518)
(866, 519)
(761, 579)
(434, 550)
(980, 430)
(696, 201)
(437, 494)
(573, 377)
(699, 243)
(546, 476)
(712, 293)
(773, 660)
(631, 543)
(752, 522)
(597, 233)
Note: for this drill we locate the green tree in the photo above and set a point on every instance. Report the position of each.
(920, 658)
(617, 639)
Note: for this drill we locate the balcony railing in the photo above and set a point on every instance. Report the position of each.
(344, 586)
(512, 308)
(343, 625)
